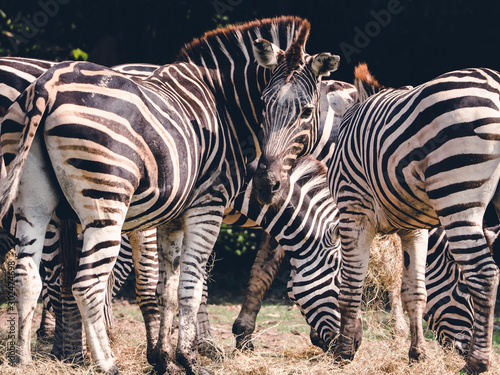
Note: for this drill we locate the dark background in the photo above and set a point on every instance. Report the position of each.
(421, 40)
(424, 39)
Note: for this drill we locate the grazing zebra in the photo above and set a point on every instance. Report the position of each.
(412, 159)
(449, 310)
(303, 222)
(270, 253)
(177, 166)
(16, 74)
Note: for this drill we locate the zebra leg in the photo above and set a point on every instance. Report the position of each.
(101, 246)
(47, 325)
(198, 244)
(33, 209)
(145, 257)
(399, 326)
(28, 284)
(470, 249)
(170, 238)
(357, 233)
(413, 291)
(51, 293)
(205, 341)
(264, 269)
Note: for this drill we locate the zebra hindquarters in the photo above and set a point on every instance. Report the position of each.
(413, 292)
(357, 231)
(266, 265)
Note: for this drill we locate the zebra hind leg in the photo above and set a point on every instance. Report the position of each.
(101, 246)
(413, 291)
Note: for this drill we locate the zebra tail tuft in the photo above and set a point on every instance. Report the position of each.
(30, 116)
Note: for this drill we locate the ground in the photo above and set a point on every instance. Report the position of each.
(282, 347)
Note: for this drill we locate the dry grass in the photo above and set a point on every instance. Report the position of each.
(282, 343)
(279, 351)
(384, 271)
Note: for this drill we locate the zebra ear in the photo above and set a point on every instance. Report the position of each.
(266, 53)
(324, 63)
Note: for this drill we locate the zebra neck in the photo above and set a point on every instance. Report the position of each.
(225, 59)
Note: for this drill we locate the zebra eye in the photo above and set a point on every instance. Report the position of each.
(306, 112)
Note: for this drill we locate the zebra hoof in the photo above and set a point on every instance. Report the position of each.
(210, 350)
(344, 350)
(475, 366)
(468, 371)
(416, 355)
(169, 369)
(244, 343)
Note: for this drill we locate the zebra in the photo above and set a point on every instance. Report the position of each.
(186, 115)
(303, 222)
(271, 254)
(412, 159)
(16, 74)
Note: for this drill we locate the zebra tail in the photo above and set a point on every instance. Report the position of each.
(68, 245)
(35, 105)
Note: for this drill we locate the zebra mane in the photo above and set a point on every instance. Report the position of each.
(294, 54)
(279, 30)
(365, 82)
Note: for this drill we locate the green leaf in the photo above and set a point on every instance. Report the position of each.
(78, 54)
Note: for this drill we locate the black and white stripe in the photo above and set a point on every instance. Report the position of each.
(168, 151)
(412, 159)
(16, 74)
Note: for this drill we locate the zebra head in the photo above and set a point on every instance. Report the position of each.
(290, 109)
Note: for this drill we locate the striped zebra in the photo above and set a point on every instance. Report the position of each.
(290, 213)
(412, 159)
(16, 74)
(303, 222)
(177, 166)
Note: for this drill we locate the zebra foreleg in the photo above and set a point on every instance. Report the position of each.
(413, 291)
(266, 265)
(202, 227)
(170, 238)
(145, 257)
(357, 234)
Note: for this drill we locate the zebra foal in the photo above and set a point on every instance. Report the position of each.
(412, 159)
